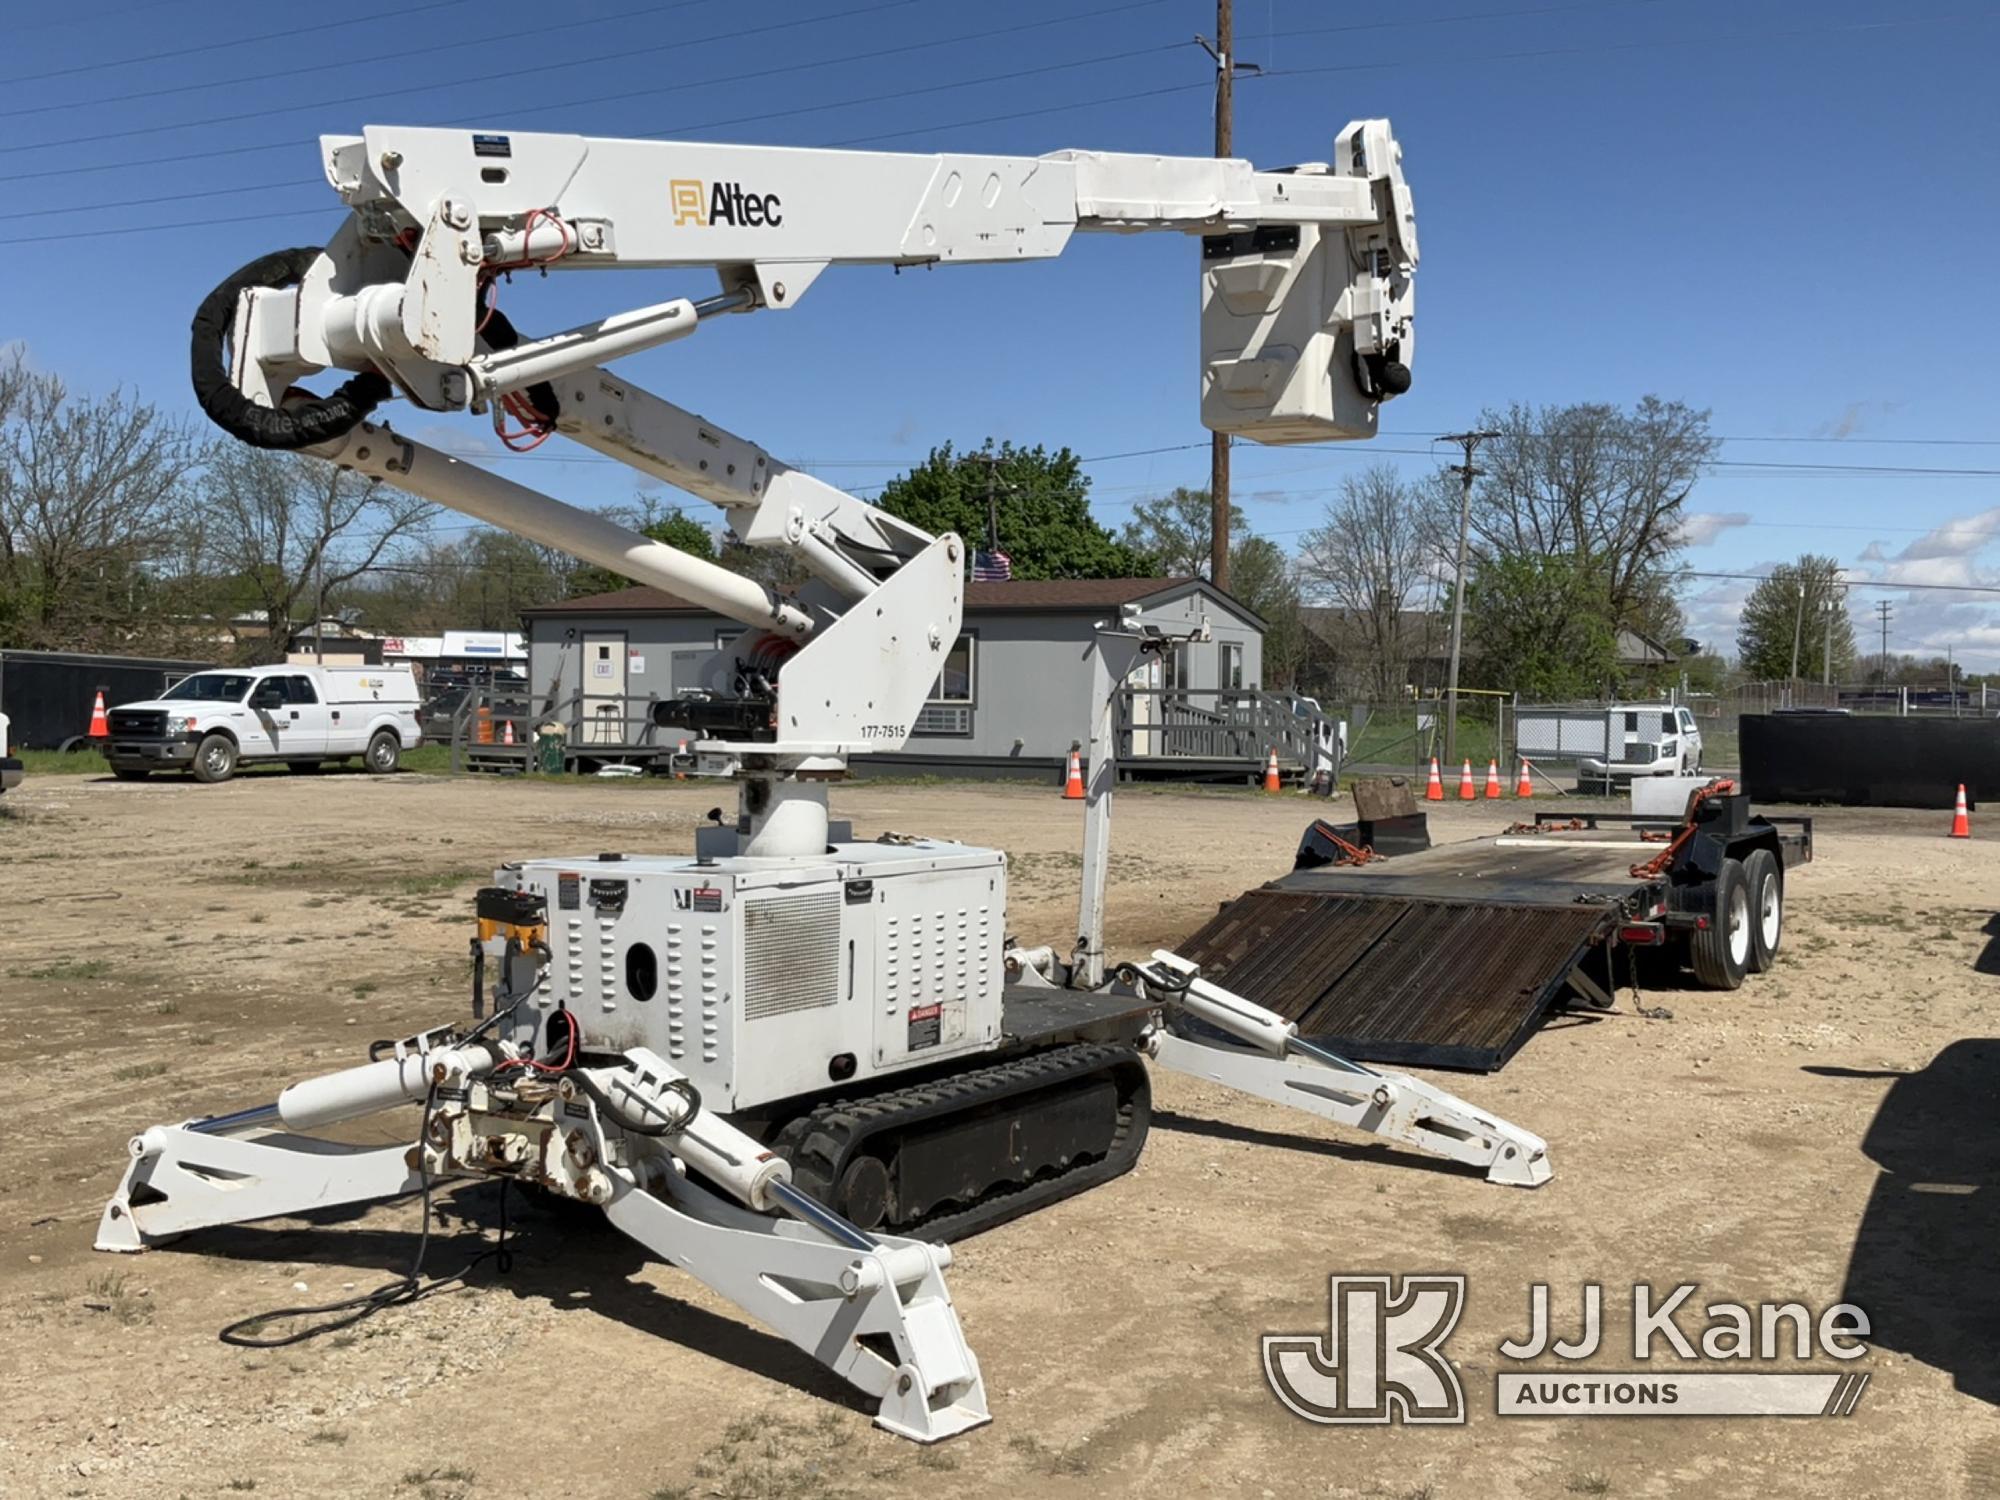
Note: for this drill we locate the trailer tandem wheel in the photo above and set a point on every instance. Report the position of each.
(1720, 952)
(1766, 882)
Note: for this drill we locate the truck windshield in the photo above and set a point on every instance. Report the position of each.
(211, 687)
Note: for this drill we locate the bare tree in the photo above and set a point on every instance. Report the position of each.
(1599, 486)
(91, 494)
(285, 528)
(1368, 558)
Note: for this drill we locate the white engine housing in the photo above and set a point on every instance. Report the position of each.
(765, 975)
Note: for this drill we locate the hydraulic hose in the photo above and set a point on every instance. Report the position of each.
(300, 423)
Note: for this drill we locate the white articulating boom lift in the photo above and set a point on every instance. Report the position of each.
(793, 1064)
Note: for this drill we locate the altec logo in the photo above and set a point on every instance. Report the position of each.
(695, 202)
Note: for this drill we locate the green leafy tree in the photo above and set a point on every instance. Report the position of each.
(1041, 501)
(1267, 581)
(1172, 534)
(1540, 626)
(1802, 603)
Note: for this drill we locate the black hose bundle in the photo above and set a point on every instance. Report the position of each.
(300, 424)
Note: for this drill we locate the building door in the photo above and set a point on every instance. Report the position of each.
(604, 688)
(1146, 678)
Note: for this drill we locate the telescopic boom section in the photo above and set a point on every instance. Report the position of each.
(1306, 328)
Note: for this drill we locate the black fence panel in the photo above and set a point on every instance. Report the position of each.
(47, 695)
(1860, 761)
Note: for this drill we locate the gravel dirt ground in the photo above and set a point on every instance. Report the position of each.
(173, 950)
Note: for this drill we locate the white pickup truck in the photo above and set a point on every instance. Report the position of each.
(213, 722)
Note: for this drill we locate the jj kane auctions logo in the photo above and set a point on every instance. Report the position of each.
(698, 203)
(1381, 1358)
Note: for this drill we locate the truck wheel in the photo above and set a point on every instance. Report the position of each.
(215, 759)
(129, 773)
(1720, 952)
(1766, 882)
(384, 753)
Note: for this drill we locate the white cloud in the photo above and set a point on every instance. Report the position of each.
(1701, 527)
(1960, 537)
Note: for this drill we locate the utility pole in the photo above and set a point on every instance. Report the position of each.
(1882, 609)
(319, 606)
(1469, 441)
(1223, 51)
(1833, 604)
(992, 463)
(1798, 626)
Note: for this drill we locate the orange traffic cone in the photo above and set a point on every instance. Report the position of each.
(507, 732)
(1493, 780)
(1466, 792)
(1961, 826)
(680, 761)
(1073, 786)
(1526, 785)
(100, 726)
(1434, 792)
(1271, 783)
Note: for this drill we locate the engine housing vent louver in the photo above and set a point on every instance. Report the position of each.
(791, 954)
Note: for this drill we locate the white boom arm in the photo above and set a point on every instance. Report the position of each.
(1306, 327)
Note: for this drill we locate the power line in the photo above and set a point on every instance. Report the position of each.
(374, 58)
(1096, 101)
(397, 13)
(538, 32)
(710, 81)
(1481, 58)
(536, 70)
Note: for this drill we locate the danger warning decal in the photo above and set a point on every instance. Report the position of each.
(926, 1023)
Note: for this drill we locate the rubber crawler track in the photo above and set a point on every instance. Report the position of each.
(821, 1143)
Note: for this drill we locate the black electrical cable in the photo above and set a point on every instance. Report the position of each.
(658, 1130)
(300, 424)
(245, 1332)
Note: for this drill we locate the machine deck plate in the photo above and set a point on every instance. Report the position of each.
(1033, 1017)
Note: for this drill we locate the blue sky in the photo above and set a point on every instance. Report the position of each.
(1783, 211)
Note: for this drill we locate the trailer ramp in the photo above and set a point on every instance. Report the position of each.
(1392, 978)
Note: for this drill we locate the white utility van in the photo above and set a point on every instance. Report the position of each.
(213, 722)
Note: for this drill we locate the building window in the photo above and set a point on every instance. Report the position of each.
(954, 684)
(1232, 664)
(949, 709)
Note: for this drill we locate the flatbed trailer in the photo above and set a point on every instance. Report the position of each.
(1451, 956)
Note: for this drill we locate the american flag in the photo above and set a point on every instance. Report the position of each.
(992, 567)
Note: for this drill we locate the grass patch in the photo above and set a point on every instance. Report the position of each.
(759, 1459)
(134, 1072)
(448, 1482)
(63, 762)
(167, 1008)
(438, 884)
(66, 970)
(1048, 1460)
(111, 1292)
(327, 1435)
(1592, 1483)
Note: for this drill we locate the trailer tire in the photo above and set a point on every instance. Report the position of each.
(214, 759)
(1720, 952)
(1766, 881)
